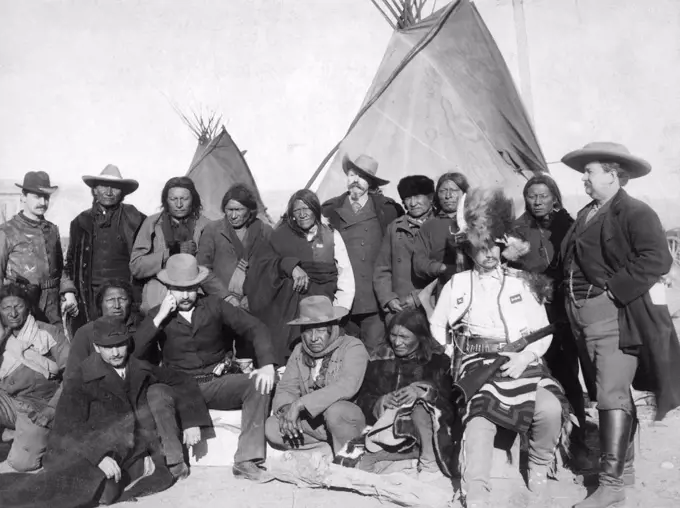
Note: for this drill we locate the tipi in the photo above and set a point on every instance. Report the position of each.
(442, 100)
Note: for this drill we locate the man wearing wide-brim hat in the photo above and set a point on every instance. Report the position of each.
(362, 215)
(101, 239)
(315, 400)
(195, 334)
(615, 256)
(30, 247)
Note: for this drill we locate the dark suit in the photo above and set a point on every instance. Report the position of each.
(636, 255)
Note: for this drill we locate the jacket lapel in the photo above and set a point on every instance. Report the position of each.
(138, 374)
(229, 233)
(94, 368)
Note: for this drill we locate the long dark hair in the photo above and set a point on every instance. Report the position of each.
(108, 284)
(458, 178)
(185, 183)
(310, 199)
(551, 184)
(415, 321)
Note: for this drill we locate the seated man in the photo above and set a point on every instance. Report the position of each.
(405, 396)
(33, 356)
(491, 306)
(104, 444)
(189, 329)
(313, 402)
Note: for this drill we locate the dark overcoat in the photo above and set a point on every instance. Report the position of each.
(97, 417)
(78, 267)
(364, 256)
(636, 252)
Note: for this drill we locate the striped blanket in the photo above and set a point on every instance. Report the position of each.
(509, 402)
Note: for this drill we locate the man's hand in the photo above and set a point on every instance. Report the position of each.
(389, 400)
(69, 305)
(188, 247)
(110, 468)
(300, 280)
(191, 436)
(517, 363)
(394, 305)
(168, 306)
(408, 395)
(264, 378)
(289, 420)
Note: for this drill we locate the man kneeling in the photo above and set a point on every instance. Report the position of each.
(104, 442)
(313, 402)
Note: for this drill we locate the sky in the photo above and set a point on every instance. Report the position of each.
(87, 83)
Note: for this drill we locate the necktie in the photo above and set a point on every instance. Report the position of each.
(592, 212)
(356, 206)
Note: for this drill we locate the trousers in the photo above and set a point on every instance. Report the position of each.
(162, 406)
(30, 440)
(607, 371)
(237, 391)
(478, 444)
(340, 423)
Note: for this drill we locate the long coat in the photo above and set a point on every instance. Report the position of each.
(635, 250)
(78, 267)
(149, 255)
(220, 249)
(96, 418)
(386, 211)
(393, 275)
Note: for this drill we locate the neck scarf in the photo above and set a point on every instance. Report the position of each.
(177, 231)
(420, 220)
(28, 348)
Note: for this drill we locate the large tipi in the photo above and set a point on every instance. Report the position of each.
(442, 100)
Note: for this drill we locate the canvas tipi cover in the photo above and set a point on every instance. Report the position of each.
(442, 100)
(217, 165)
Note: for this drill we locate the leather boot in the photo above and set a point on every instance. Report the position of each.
(615, 430)
(629, 465)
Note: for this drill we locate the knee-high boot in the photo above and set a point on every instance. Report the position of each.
(615, 431)
(629, 465)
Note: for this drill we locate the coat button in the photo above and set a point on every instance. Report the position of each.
(362, 242)
(398, 260)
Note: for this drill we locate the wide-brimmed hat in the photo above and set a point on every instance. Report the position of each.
(366, 166)
(110, 331)
(182, 271)
(37, 182)
(111, 176)
(606, 151)
(317, 310)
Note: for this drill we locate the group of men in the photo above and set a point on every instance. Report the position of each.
(89, 418)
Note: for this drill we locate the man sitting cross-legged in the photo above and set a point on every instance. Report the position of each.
(104, 444)
(314, 401)
(189, 329)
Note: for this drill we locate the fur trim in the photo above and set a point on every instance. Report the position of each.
(415, 185)
(488, 216)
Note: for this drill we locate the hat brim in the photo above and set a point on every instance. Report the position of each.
(347, 164)
(127, 185)
(39, 190)
(111, 343)
(634, 166)
(338, 314)
(165, 279)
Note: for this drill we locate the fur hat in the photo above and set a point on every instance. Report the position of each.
(488, 219)
(415, 185)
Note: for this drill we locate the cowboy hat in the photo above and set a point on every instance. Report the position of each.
(317, 310)
(110, 331)
(365, 166)
(382, 433)
(37, 182)
(111, 176)
(182, 271)
(606, 151)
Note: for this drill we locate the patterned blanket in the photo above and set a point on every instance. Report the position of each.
(507, 402)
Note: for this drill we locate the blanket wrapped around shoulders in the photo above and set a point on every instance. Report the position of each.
(389, 374)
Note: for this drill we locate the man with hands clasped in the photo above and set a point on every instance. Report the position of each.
(190, 330)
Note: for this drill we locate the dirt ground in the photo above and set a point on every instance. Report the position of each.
(657, 466)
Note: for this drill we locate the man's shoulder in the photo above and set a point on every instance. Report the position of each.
(54, 330)
(132, 212)
(331, 204)
(152, 219)
(213, 226)
(382, 201)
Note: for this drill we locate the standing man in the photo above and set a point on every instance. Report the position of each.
(615, 255)
(362, 215)
(30, 247)
(101, 239)
(396, 286)
(190, 331)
